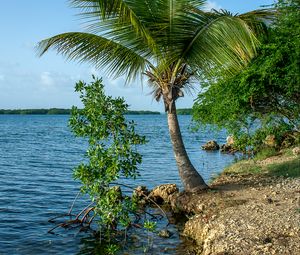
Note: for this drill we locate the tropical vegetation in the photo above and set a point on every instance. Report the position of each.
(263, 99)
(112, 154)
(173, 43)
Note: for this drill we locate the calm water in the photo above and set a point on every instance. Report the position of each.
(38, 154)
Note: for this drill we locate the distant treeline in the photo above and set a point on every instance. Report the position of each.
(60, 111)
(141, 112)
(36, 111)
(184, 111)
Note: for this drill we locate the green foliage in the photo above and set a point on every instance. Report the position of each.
(112, 152)
(266, 94)
(111, 249)
(150, 225)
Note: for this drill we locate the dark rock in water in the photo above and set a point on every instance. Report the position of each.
(227, 148)
(211, 146)
(163, 193)
(165, 233)
(230, 140)
(141, 192)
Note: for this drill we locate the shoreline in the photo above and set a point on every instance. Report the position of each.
(246, 212)
(252, 207)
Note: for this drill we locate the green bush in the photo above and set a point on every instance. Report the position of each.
(112, 153)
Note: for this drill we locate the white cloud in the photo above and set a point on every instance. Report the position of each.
(212, 5)
(47, 79)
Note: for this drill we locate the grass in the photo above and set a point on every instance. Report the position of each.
(244, 167)
(288, 152)
(266, 153)
(286, 169)
(289, 168)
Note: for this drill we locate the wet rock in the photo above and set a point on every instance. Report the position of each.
(165, 233)
(227, 148)
(211, 146)
(140, 192)
(163, 193)
(229, 140)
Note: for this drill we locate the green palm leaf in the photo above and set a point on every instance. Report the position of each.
(101, 52)
(160, 36)
(125, 12)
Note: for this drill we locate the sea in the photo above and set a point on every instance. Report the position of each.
(37, 156)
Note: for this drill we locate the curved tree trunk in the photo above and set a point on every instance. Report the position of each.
(190, 178)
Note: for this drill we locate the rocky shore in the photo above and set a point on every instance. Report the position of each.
(246, 215)
(243, 212)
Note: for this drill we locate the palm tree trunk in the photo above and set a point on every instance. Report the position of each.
(190, 178)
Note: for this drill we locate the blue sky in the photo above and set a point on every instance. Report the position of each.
(27, 81)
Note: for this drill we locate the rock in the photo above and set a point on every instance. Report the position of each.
(287, 142)
(289, 139)
(163, 193)
(296, 151)
(230, 140)
(270, 141)
(141, 192)
(165, 233)
(201, 207)
(227, 148)
(211, 146)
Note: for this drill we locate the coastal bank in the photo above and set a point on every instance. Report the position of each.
(252, 207)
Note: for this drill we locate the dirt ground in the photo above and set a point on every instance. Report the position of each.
(245, 214)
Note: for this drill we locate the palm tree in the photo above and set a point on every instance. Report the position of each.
(172, 42)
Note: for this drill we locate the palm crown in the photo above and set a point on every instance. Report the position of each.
(168, 40)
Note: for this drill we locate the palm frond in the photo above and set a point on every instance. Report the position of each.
(119, 11)
(225, 42)
(117, 59)
(221, 40)
(163, 37)
(258, 20)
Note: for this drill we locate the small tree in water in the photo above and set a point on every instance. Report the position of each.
(112, 153)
